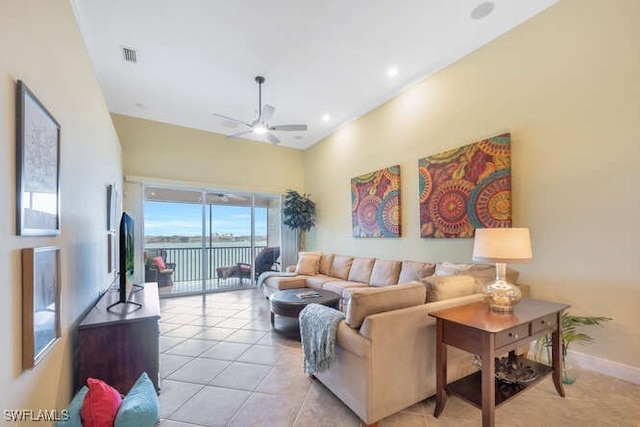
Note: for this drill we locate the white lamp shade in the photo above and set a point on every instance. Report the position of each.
(503, 245)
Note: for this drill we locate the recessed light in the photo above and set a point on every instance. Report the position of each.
(482, 10)
(140, 105)
(392, 72)
(326, 117)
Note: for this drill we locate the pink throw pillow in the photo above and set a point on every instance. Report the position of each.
(100, 405)
(160, 263)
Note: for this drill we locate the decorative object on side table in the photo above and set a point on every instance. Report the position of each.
(37, 167)
(299, 213)
(570, 334)
(502, 246)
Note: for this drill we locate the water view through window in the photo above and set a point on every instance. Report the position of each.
(202, 239)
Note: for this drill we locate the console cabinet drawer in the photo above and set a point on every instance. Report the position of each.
(512, 335)
(548, 322)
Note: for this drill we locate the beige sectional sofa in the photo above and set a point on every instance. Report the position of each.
(385, 349)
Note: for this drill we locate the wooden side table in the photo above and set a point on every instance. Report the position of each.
(474, 328)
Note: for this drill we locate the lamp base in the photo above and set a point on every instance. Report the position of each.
(501, 296)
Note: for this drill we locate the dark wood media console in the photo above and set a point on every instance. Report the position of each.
(118, 345)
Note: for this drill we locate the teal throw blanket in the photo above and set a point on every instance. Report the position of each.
(318, 326)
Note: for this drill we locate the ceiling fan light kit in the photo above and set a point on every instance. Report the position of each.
(261, 125)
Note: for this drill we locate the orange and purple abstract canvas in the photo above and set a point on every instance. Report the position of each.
(375, 203)
(466, 188)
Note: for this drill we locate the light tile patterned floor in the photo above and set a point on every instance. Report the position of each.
(221, 364)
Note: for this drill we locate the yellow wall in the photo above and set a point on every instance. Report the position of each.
(173, 153)
(566, 85)
(41, 45)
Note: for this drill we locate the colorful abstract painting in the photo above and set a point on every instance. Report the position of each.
(375, 203)
(466, 188)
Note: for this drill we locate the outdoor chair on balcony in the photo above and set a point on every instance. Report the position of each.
(266, 260)
(159, 270)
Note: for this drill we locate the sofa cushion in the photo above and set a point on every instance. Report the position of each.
(325, 263)
(361, 270)
(340, 267)
(485, 273)
(415, 270)
(366, 301)
(339, 286)
(317, 281)
(308, 263)
(285, 282)
(446, 287)
(385, 273)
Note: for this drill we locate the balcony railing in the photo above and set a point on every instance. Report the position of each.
(189, 260)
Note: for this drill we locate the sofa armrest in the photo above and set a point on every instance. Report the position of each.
(350, 340)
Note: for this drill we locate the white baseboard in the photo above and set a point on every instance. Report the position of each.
(606, 367)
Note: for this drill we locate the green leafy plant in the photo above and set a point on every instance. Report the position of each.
(570, 334)
(299, 212)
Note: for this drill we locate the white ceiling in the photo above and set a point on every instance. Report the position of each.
(198, 57)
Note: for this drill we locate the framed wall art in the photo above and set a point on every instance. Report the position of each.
(375, 203)
(40, 303)
(466, 188)
(37, 167)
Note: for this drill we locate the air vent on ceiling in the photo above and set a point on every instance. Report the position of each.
(129, 54)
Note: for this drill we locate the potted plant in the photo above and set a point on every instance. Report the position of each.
(570, 333)
(299, 213)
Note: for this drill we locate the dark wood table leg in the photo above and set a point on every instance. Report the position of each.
(273, 321)
(488, 381)
(556, 356)
(441, 369)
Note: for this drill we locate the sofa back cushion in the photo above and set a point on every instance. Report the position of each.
(340, 267)
(308, 263)
(446, 287)
(385, 273)
(325, 263)
(361, 270)
(413, 270)
(485, 273)
(366, 301)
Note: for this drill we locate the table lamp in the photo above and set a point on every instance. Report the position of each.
(502, 246)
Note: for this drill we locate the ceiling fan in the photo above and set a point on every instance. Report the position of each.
(262, 125)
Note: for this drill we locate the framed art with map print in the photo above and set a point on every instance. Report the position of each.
(40, 303)
(37, 167)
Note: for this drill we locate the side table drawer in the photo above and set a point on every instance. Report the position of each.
(512, 335)
(548, 322)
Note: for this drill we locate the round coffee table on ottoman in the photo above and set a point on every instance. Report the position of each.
(290, 302)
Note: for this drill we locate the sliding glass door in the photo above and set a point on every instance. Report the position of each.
(211, 239)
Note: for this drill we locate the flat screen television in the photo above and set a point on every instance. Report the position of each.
(126, 244)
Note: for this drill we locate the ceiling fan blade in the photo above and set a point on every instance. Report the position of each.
(236, 135)
(273, 139)
(289, 127)
(267, 112)
(231, 119)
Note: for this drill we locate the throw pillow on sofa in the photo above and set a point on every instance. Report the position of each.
(415, 270)
(341, 266)
(73, 410)
(140, 407)
(446, 287)
(100, 405)
(485, 273)
(366, 301)
(308, 263)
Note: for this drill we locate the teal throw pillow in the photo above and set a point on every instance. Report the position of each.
(73, 410)
(140, 407)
